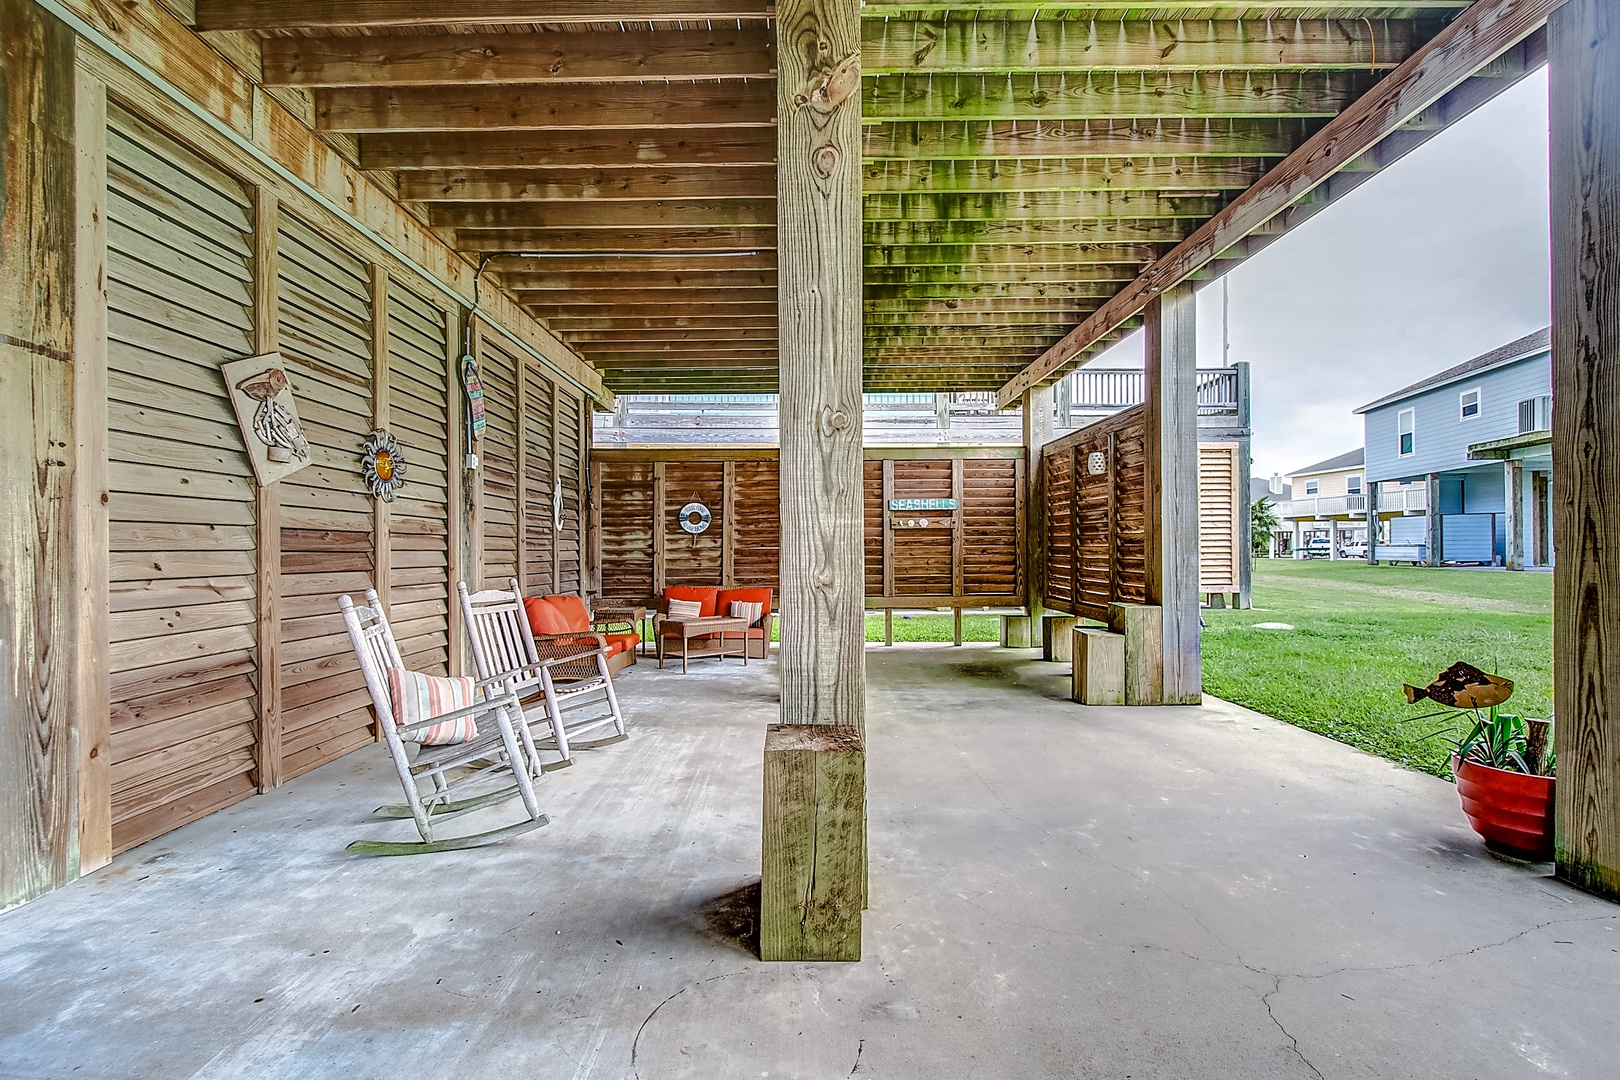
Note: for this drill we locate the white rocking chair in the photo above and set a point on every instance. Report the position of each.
(573, 685)
(445, 782)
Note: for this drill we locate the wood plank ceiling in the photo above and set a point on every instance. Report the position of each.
(1022, 163)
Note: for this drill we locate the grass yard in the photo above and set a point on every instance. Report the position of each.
(934, 627)
(1360, 631)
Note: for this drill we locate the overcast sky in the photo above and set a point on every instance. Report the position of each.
(1440, 258)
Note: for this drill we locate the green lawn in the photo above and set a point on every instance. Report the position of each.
(1360, 631)
(934, 627)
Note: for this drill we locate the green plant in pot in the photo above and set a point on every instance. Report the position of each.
(1504, 764)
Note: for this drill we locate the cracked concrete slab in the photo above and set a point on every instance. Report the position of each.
(1057, 891)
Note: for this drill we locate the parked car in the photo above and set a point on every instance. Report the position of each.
(1355, 549)
(1317, 548)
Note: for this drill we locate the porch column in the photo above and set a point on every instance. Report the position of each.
(814, 850)
(1513, 488)
(1584, 53)
(1431, 518)
(1372, 521)
(1171, 398)
(1333, 539)
(41, 624)
(1038, 405)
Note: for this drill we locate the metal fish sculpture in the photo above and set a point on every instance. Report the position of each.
(1463, 686)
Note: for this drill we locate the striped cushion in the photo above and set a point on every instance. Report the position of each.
(418, 697)
(685, 609)
(742, 610)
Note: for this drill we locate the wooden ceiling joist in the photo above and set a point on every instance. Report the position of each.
(652, 278)
(982, 45)
(693, 299)
(569, 106)
(674, 262)
(1029, 231)
(347, 14)
(604, 149)
(467, 59)
(588, 241)
(991, 254)
(1164, 137)
(1190, 175)
(719, 309)
(1485, 31)
(596, 185)
(572, 324)
(994, 206)
(582, 214)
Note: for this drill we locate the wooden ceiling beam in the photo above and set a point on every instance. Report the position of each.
(1004, 206)
(694, 299)
(1029, 274)
(1138, 255)
(586, 241)
(1478, 36)
(485, 59)
(651, 263)
(324, 14)
(586, 281)
(1090, 290)
(570, 324)
(1077, 95)
(1084, 139)
(1050, 45)
(603, 149)
(651, 214)
(652, 337)
(1191, 175)
(558, 107)
(1029, 231)
(595, 185)
(719, 309)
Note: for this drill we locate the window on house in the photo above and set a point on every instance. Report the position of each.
(1470, 403)
(1352, 486)
(1406, 429)
(1312, 487)
(1535, 414)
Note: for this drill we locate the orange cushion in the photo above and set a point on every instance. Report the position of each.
(618, 643)
(574, 610)
(722, 602)
(544, 618)
(703, 594)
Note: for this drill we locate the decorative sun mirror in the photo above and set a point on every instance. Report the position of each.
(382, 465)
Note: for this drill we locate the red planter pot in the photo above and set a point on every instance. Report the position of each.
(1512, 811)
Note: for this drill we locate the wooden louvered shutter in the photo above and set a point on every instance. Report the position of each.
(1219, 510)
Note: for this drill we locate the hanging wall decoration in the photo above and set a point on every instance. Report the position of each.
(382, 465)
(695, 518)
(475, 397)
(557, 506)
(261, 393)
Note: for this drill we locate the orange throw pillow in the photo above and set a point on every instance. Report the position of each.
(574, 611)
(544, 618)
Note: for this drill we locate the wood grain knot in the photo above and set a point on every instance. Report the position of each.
(826, 160)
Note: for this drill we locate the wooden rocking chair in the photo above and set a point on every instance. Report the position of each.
(445, 782)
(565, 674)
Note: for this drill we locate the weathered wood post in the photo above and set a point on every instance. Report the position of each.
(1432, 538)
(1171, 398)
(1513, 489)
(1038, 404)
(814, 846)
(1584, 50)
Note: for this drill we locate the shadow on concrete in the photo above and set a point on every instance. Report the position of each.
(733, 918)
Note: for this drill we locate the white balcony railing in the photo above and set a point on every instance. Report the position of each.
(1313, 506)
(1395, 500)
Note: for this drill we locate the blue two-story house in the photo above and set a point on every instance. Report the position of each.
(1474, 440)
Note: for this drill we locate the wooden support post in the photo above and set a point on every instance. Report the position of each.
(1513, 488)
(459, 511)
(382, 546)
(1432, 538)
(958, 541)
(888, 626)
(92, 518)
(811, 908)
(1037, 415)
(888, 530)
(814, 841)
(1099, 666)
(1015, 632)
(659, 526)
(1057, 638)
(474, 481)
(956, 623)
(520, 472)
(1143, 628)
(40, 636)
(554, 585)
(1244, 598)
(728, 524)
(267, 338)
(593, 541)
(1584, 45)
(1171, 404)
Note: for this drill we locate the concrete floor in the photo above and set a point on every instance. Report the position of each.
(1057, 892)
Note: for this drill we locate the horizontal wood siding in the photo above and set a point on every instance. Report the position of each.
(327, 516)
(418, 518)
(571, 417)
(969, 556)
(498, 465)
(183, 561)
(693, 559)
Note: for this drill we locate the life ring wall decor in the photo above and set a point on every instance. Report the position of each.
(695, 518)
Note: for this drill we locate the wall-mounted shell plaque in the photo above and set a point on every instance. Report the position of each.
(261, 393)
(382, 465)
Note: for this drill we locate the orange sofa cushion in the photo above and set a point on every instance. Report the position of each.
(618, 643)
(722, 602)
(574, 611)
(703, 594)
(544, 618)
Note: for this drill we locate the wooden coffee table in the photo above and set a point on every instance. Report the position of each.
(720, 625)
